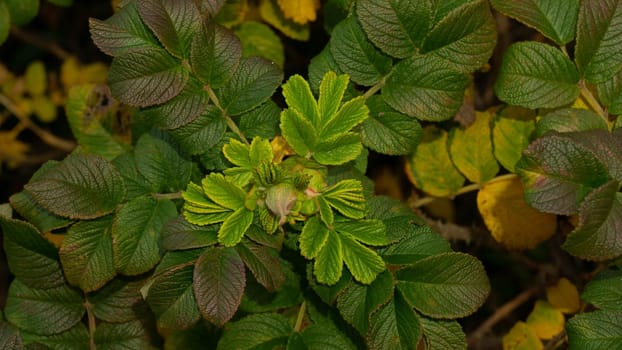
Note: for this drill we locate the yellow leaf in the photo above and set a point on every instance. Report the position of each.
(545, 320)
(299, 11)
(12, 150)
(511, 221)
(70, 72)
(272, 14)
(579, 103)
(44, 109)
(54, 238)
(94, 73)
(564, 296)
(521, 337)
(280, 149)
(35, 78)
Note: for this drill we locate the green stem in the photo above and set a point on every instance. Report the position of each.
(372, 90)
(92, 324)
(466, 189)
(301, 316)
(592, 102)
(230, 123)
(174, 195)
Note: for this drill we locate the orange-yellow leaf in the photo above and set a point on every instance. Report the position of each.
(511, 221)
(545, 320)
(280, 149)
(299, 11)
(54, 238)
(564, 296)
(521, 337)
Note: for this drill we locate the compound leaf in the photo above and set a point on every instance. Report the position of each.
(328, 264)
(215, 54)
(161, 162)
(346, 197)
(202, 133)
(313, 237)
(364, 263)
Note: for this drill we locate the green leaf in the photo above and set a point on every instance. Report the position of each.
(346, 197)
(332, 88)
(136, 233)
(464, 38)
(5, 25)
(259, 331)
(556, 20)
(321, 64)
(610, 93)
(176, 260)
(511, 133)
(219, 281)
(10, 338)
(570, 120)
(202, 133)
(118, 301)
(254, 81)
(86, 254)
(442, 334)
(329, 261)
(299, 98)
(605, 290)
(595, 330)
(558, 172)
(162, 163)
(173, 22)
(123, 32)
(264, 264)
(389, 132)
(396, 27)
(394, 326)
(40, 311)
(420, 242)
(129, 335)
(599, 37)
(171, 298)
(430, 167)
(262, 121)
(424, 87)
(370, 232)
(135, 183)
(22, 11)
(76, 338)
(298, 131)
(86, 122)
(215, 54)
(80, 187)
(338, 149)
(182, 109)
(320, 336)
(146, 77)
(211, 7)
(355, 55)
(364, 263)
(536, 75)
(234, 227)
(272, 14)
(447, 285)
(223, 192)
(338, 122)
(596, 235)
(471, 150)
(260, 40)
(179, 234)
(357, 302)
(313, 237)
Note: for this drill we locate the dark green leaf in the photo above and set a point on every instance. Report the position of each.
(118, 301)
(327, 293)
(146, 77)
(45, 312)
(397, 27)
(394, 326)
(86, 254)
(556, 20)
(260, 40)
(320, 336)
(22, 11)
(599, 37)
(595, 330)
(419, 243)
(10, 338)
(116, 336)
(448, 285)
(136, 233)
(135, 183)
(76, 338)
(536, 75)
(442, 334)
(81, 187)
(260, 331)
(219, 281)
(357, 302)
(171, 298)
(216, 53)
(389, 132)
(596, 236)
(262, 121)
(257, 299)
(202, 133)
(173, 22)
(122, 33)
(179, 234)
(31, 258)
(464, 38)
(264, 263)
(570, 120)
(161, 162)
(610, 93)
(511, 133)
(424, 87)
(605, 290)
(355, 55)
(321, 64)
(254, 82)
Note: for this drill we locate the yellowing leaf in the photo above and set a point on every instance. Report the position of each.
(564, 296)
(12, 150)
(299, 11)
(72, 73)
(35, 78)
(545, 320)
(579, 103)
(54, 238)
(272, 14)
(44, 109)
(95, 73)
(521, 337)
(511, 221)
(280, 149)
